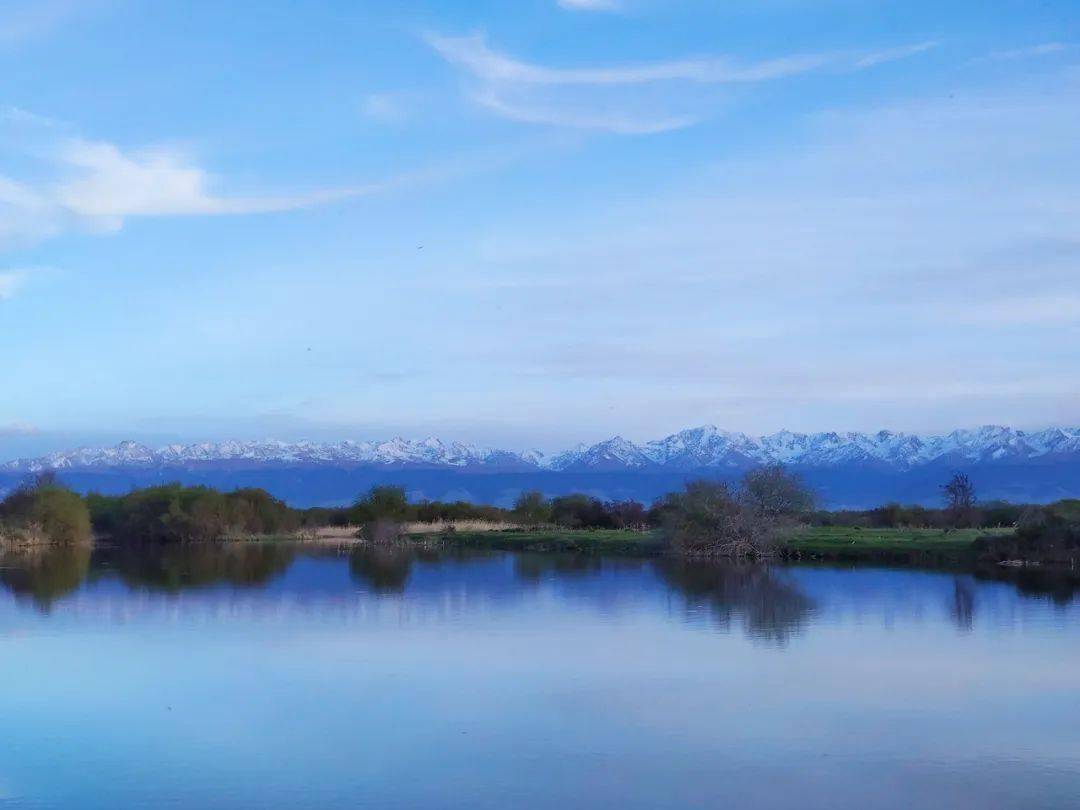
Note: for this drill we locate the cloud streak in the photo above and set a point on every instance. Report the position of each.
(590, 5)
(22, 21)
(97, 186)
(473, 54)
(614, 122)
(533, 93)
(10, 283)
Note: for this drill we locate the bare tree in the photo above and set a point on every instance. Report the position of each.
(714, 519)
(773, 493)
(959, 495)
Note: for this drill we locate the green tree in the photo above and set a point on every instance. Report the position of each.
(532, 508)
(45, 510)
(381, 503)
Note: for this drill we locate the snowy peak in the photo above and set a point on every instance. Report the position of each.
(614, 454)
(692, 449)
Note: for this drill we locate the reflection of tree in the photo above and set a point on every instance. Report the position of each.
(385, 568)
(766, 600)
(1059, 584)
(44, 574)
(962, 606)
(533, 567)
(176, 567)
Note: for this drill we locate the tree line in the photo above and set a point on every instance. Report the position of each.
(705, 518)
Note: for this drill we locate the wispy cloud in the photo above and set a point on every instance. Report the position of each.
(510, 86)
(474, 55)
(882, 222)
(590, 5)
(614, 122)
(385, 108)
(1030, 52)
(1050, 311)
(10, 282)
(98, 186)
(18, 429)
(111, 185)
(22, 20)
(893, 54)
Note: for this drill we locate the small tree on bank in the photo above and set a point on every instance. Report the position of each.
(716, 519)
(45, 511)
(532, 508)
(959, 495)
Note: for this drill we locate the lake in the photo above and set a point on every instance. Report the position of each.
(271, 676)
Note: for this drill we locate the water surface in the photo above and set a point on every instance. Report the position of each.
(267, 676)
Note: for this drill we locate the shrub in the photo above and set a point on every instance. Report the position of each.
(715, 519)
(173, 513)
(381, 504)
(47, 511)
(532, 508)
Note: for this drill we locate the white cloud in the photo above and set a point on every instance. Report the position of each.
(1060, 309)
(540, 94)
(1034, 51)
(80, 184)
(893, 54)
(930, 246)
(474, 55)
(10, 282)
(17, 429)
(385, 108)
(590, 5)
(22, 20)
(112, 185)
(614, 122)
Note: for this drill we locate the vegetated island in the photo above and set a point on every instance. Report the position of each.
(769, 514)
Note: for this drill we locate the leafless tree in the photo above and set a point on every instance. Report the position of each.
(959, 495)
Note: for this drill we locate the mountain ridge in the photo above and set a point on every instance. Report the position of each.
(705, 447)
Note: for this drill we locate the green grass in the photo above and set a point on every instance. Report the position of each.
(852, 543)
(584, 541)
(929, 546)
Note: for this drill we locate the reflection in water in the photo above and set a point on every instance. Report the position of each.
(1060, 584)
(385, 567)
(174, 568)
(767, 601)
(962, 606)
(45, 573)
(275, 680)
(533, 567)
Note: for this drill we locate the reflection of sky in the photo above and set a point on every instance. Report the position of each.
(476, 687)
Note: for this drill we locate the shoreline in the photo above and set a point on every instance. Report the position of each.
(922, 548)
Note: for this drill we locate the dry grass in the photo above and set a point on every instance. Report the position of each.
(22, 537)
(329, 534)
(441, 526)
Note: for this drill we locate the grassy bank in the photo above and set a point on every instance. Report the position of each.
(935, 546)
(582, 541)
(932, 546)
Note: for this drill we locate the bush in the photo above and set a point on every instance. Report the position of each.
(579, 512)
(532, 509)
(715, 519)
(381, 504)
(174, 513)
(46, 511)
(1049, 534)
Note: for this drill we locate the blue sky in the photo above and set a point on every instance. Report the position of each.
(333, 219)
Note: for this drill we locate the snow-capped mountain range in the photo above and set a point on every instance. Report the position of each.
(697, 448)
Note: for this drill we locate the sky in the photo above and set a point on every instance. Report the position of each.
(535, 223)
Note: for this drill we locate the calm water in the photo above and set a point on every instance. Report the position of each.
(266, 677)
